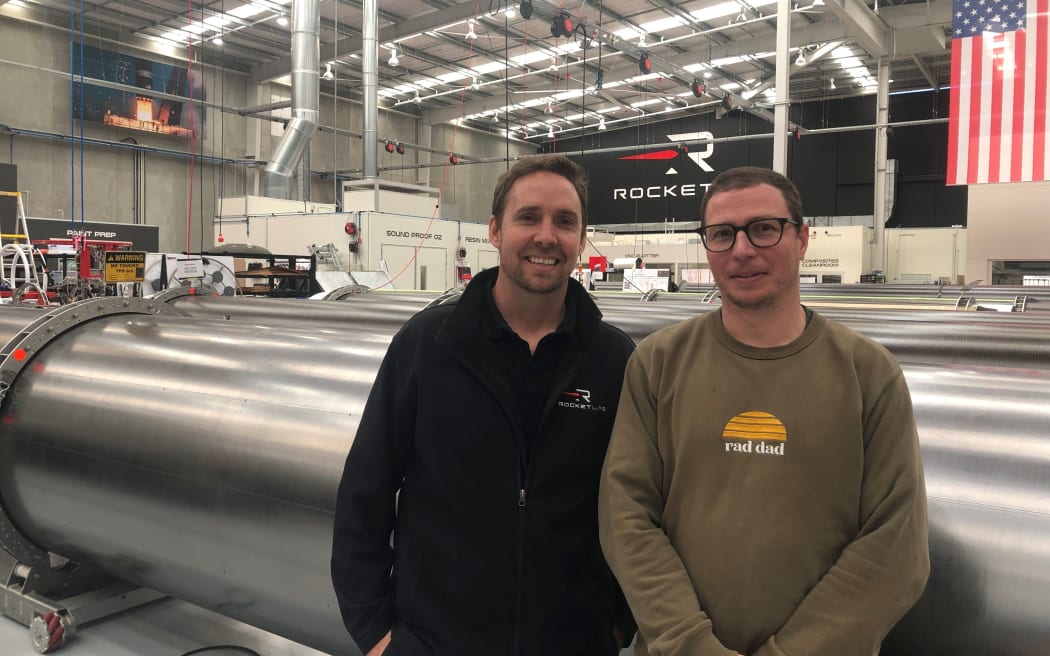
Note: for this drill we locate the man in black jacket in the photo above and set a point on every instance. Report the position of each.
(480, 450)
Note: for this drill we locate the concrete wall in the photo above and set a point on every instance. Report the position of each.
(38, 99)
(36, 96)
(1006, 222)
(468, 187)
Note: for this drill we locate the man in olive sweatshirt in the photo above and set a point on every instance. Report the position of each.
(763, 492)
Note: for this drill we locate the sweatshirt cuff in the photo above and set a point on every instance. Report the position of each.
(770, 648)
(705, 644)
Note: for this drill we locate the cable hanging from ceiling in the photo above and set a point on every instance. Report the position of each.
(189, 107)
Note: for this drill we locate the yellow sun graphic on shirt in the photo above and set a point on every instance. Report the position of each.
(755, 426)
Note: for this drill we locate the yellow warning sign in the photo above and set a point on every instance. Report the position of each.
(125, 266)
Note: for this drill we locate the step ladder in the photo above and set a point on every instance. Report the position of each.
(22, 266)
(1020, 303)
(327, 255)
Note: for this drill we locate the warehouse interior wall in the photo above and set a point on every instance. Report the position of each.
(467, 194)
(34, 72)
(1006, 222)
(39, 94)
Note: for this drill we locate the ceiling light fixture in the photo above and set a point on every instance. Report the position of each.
(471, 35)
(550, 132)
(641, 40)
(217, 41)
(801, 59)
(474, 84)
(282, 20)
(394, 61)
(328, 74)
(601, 123)
(554, 63)
(550, 108)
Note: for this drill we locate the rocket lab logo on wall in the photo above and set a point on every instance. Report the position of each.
(664, 183)
(698, 156)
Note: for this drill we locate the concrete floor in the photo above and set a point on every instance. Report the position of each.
(164, 628)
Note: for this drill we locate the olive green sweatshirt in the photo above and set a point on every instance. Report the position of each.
(764, 501)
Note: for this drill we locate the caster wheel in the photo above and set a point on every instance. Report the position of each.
(49, 632)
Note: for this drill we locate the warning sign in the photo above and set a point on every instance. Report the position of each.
(125, 266)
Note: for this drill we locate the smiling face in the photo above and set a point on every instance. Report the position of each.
(753, 278)
(540, 235)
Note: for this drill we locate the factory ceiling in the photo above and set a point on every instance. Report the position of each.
(484, 64)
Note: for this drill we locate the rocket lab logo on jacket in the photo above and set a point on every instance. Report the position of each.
(755, 432)
(579, 399)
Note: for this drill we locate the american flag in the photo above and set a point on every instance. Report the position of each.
(997, 129)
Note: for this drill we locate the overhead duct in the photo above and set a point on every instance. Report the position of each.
(201, 458)
(306, 28)
(370, 86)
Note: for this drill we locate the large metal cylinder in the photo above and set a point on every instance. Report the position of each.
(201, 457)
(194, 457)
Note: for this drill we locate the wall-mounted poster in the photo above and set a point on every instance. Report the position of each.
(138, 111)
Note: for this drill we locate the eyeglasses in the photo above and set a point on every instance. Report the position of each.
(762, 233)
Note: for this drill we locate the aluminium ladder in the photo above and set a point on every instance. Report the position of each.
(22, 267)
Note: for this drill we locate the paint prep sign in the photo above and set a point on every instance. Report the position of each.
(125, 266)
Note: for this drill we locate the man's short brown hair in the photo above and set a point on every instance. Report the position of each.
(744, 177)
(557, 164)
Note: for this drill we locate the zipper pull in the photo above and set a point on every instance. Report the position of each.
(521, 498)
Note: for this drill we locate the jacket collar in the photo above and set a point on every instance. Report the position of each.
(469, 315)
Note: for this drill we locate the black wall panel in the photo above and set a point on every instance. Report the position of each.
(8, 182)
(812, 167)
(854, 199)
(835, 172)
(930, 204)
(856, 158)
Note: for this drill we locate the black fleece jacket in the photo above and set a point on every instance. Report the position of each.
(493, 554)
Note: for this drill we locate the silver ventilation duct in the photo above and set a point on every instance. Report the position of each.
(306, 28)
(369, 66)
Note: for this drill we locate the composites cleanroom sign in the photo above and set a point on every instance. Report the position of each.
(125, 266)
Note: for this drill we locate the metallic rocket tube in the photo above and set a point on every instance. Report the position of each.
(200, 457)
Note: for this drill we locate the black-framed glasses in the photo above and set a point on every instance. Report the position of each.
(762, 233)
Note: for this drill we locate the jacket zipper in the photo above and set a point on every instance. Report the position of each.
(520, 595)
